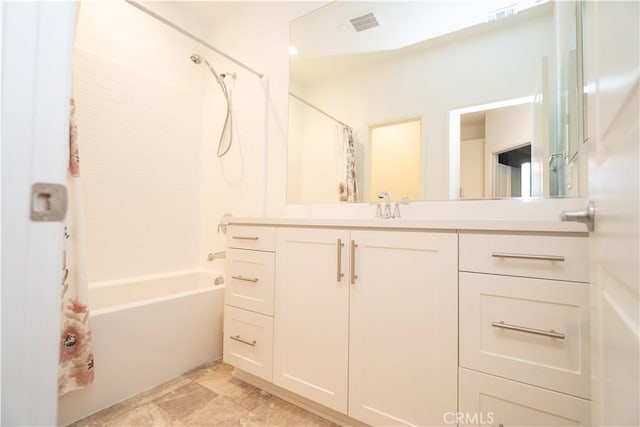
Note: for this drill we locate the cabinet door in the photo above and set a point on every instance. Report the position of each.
(312, 314)
(404, 328)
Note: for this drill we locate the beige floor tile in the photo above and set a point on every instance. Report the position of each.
(184, 400)
(214, 369)
(221, 411)
(252, 397)
(278, 412)
(148, 415)
(216, 366)
(313, 420)
(156, 392)
(101, 417)
(208, 396)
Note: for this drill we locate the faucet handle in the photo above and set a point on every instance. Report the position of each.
(396, 211)
(378, 211)
(387, 211)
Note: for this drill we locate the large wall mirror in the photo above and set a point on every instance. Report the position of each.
(434, 100)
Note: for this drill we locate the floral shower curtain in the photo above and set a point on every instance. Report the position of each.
(348, 188)
(76, 355)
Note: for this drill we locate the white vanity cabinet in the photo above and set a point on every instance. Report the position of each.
(399, 325)
(248, 315)
(524, 328)
(372, 313)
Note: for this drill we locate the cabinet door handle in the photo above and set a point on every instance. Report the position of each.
(246, 279)
(243, 341)
(551, 333)
(353, 262)
(340, 274)
(245, 237)
(528, 256)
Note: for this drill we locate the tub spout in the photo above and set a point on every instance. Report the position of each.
(217, 255)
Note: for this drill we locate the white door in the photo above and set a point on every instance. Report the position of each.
(311, 314)
(37, 46)
(403, 341)
(613, 80)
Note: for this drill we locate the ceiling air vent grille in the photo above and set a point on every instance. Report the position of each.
(364, 22)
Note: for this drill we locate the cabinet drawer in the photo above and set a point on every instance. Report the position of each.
(256, 237)
(249, 280)
(248, 341)
(547, 257)
(496, 401)
(530, 330)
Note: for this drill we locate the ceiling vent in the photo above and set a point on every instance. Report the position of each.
(364, 22)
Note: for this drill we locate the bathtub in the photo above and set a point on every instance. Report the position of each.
(147, 331)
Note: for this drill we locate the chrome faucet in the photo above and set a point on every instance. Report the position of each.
(387, 204)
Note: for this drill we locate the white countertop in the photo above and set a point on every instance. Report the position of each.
(538, 226)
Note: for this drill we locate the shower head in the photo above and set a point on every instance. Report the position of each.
(197, 59)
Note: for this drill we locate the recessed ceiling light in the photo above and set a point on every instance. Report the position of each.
(293, 50)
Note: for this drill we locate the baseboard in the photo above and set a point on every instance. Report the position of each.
(304, 403)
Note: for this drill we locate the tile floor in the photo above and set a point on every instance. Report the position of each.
(207, 396)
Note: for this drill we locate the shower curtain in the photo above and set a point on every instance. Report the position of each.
(348, 187)
(76, 356)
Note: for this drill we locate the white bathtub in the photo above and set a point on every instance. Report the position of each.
(147, 331)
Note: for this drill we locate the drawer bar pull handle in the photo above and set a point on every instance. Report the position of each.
(352, 260)
(246, 279)
(245, 237)
(551, 333)
(243, 341)
(527, 256)
(340, 274)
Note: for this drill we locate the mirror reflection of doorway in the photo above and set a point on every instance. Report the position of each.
(513, 173)
(495, 149)
(395, 160)
(472, 135)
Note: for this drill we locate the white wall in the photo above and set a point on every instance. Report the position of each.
(256, 33)
(485, 68)
(139, 102)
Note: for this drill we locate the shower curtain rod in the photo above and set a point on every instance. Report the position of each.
(191, 36)
(320, 111)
